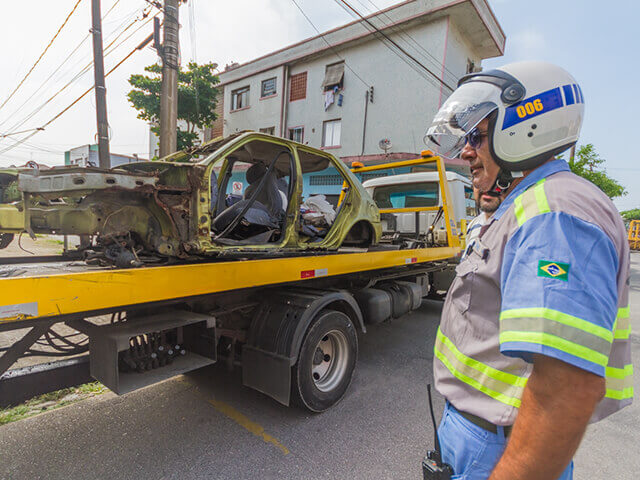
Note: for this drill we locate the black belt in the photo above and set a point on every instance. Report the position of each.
(484, 424)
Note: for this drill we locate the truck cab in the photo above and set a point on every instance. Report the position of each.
(415, 191)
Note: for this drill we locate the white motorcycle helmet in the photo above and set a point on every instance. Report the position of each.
(539, 109)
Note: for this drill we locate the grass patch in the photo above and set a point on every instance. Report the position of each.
(50, 401)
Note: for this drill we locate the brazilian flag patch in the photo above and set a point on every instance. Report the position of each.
(557, 270)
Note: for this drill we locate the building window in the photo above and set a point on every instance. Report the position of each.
(331, 133)
(240, 98)
(298, 87)
(268, 130)
(296, 134)
(333, 76)
(268, 87)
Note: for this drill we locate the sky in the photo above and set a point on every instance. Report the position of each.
(596, 42)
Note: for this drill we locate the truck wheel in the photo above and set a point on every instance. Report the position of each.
(326, 362)
(5, 240)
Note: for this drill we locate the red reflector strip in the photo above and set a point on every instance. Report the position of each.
(407, 261)
(319, 272)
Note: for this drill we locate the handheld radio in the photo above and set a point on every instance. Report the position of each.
(432, 466)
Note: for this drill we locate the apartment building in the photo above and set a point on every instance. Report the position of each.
(354, 93)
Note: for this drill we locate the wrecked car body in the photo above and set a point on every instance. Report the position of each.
(241, 195)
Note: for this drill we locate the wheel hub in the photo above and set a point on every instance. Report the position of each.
(330, 360)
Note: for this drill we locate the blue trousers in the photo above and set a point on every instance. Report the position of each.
(471, 450)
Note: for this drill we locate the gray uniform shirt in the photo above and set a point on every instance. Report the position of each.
(549, 274)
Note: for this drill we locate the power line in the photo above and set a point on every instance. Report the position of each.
(86, 69)
(42, 54)
(404, 52)
(62, 112)
(330, 46)
(416, 44)
(411, 65)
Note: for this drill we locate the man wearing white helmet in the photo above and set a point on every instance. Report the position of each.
(534, 338)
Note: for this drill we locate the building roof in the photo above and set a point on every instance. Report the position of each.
(474, 17)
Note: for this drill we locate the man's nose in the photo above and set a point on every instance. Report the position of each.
(468, 153)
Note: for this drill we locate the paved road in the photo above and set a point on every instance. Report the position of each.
(206, 425)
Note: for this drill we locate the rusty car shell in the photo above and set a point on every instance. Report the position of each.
(164, 207)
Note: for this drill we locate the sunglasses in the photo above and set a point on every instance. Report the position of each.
(474, 138)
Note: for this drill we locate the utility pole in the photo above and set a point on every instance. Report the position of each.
(170, 67)
(100, 87)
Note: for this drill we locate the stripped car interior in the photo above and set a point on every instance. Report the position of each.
(238, 196)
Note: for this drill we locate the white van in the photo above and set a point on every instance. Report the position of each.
(419, 189)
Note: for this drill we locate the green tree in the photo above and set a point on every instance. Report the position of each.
(588, 164)
(629, 215)
(197, 98)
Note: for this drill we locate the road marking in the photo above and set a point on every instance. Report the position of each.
(241, 419)
(251, 426)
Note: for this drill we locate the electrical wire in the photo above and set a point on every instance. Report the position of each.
(59, 67)
(416, 45)
(41, 55)
(367, 84)
(39, 129)
(87, 68)
(430, 75)
(399, 51)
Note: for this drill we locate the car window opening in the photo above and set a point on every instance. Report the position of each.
(255, 186)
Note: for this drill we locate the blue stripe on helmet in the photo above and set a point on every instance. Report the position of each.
(568, 94)
(550, 100)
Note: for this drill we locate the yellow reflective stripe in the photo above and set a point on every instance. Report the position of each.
(622, 334)
(622, 328)
(519, 210)
(619, 394)
(624, 312)
(512, 401)
(489, 371)
(559, 317)
(502, 386)
(541, 197)
(531, 203)
(558, 343)
(619, 379)
(625, 372)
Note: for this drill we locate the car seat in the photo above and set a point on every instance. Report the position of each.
(267, 210)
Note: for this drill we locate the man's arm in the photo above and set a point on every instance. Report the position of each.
(557, 404)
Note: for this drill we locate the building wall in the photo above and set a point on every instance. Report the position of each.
(261, 112)
(404, 100)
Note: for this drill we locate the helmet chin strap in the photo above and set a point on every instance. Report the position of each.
(503, 182)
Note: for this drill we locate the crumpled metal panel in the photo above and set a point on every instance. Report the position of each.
(52, 181)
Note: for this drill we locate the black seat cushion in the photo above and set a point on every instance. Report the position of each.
(257, 214)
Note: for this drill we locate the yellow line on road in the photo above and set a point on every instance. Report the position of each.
(246, 423)
(241, 419)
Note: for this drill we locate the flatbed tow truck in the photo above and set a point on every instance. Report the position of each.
(290, 321)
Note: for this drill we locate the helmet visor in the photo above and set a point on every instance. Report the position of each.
(464, 109)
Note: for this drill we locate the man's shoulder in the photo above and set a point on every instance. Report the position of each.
(570, 198)
(573, 195)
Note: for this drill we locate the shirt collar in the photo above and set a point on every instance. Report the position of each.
(544, 171)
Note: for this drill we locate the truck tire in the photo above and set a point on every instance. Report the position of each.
(326, 362)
